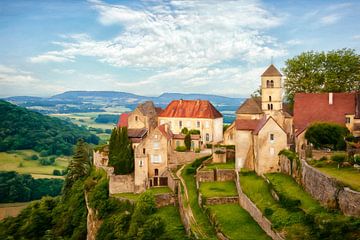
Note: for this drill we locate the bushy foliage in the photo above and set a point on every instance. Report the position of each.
(187, 141)
(181, 149)
(16, 187)
(24, 129)
(185, 130)
(333, 71)
(330, 135)
(339, 158)
(121, 154)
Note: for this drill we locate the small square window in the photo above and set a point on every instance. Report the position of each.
(141, 163)
(347, 120)
(144, 150)
(198, 124)
(272, 138)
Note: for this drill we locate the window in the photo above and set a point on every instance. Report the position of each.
(180, 124)
(155, 159)
(269, 98)
(156, 145)
(177, 143)
(141, 163)
(143, 150)
(347, 120)
(268, 106)
(272, 138)
(136, 118)
(198, 124)
(268, 84)
(207, 137)
(271, 84)
(156, 172)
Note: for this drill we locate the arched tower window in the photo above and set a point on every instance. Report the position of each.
(271, 107)
(156, 172)
(269, 98)
(268, 106)
(268, 84)
(271, 83)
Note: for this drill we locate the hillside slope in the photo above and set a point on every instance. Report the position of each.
(24, 129)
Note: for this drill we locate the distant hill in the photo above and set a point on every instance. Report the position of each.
(21, 128)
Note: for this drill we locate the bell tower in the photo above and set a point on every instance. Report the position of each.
(271, 90)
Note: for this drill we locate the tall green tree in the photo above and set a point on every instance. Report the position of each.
(121, 154)
(80, 165)
(315, 72)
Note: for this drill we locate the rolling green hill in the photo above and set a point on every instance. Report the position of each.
(21, 128)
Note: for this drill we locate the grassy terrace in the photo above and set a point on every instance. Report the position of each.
(134, 196)
(292, 222)
(347, 175)
(229, 165)
(199, 215)
(236, 223)
(174, 228)
(218, 189)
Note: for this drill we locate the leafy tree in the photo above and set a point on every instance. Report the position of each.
(79, 166)
(313, 72)
(187, 141)
(329, 135)
(121, 154)
(184, 130)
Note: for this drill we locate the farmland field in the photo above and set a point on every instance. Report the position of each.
(11, 209)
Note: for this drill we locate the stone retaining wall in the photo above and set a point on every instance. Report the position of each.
(255, 212)
(165, 199)
(221, 200)
(172, 180)
(349, 202)
(184, 215)
(121, 183)
(180, 158)
(221, 175)
(205, 176)
(225, 175)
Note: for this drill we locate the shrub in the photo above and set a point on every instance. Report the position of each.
(289, 203)
(34, 157)
(209, 145)
(194, 132)
(44, 153)
(47, 161)
(190, 170)
(219, 152)
(187, 141)
(185, 131)
(339, 158)
(268, 212)
(181, 149)
(197, 150)
(56, 172)
(357, 158)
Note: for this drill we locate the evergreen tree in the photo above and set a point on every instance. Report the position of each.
(79, 166)
(121, 155)
(187, 141)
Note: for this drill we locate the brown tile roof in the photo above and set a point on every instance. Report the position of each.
(158, 110)
(191, 109)
(123, 120)
(250, 106)
(315, 107)
(147, 108)
(271, 71)
(246, 124)
(261, 124)
(137, 132)
(166, 132)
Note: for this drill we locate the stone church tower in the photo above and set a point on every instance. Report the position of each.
(271, 91)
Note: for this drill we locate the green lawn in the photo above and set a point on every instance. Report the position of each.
(218, 189)
(134, 196)
(236, 223)
(16, 161)
(159, 190)
(292, 222)
(229, 165)
(347, 175)
(199, 215)
(174, 228)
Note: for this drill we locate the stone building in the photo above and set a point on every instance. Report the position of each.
(194, 114)
(341, 108)
(262, 126)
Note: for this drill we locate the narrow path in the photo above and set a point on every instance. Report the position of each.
(195, 226)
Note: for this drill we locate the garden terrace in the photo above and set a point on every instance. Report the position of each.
(236, 223)
(349, 176)
(228, 165)
(284, 220)
(218, 189)
(135, 196)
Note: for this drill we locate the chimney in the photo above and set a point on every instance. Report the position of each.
(331, 98)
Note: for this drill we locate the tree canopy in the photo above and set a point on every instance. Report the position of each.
(313, 72)
(24, 129)
(329, 135)
(121, 154)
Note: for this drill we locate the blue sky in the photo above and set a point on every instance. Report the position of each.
(151, 47)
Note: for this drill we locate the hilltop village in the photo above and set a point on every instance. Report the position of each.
(267, 136)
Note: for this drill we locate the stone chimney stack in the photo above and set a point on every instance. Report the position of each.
(331, 98)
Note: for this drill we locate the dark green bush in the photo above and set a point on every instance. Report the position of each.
(339, 158)
(181, 149)
(268, 212)
(56, 172)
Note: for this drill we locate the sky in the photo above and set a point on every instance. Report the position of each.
(151, 47)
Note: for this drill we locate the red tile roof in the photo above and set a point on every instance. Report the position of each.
(123, 120)
(166, 132)
(271, 71)
(191, 109)
(137, 132)
(250, 106)
(315, 107)
(246, 124)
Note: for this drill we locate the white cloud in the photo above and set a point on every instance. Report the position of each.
(330, 19)
(356, 37)
(294, 42)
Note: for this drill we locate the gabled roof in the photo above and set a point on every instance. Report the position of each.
(315, 107)
(136, 132)
(261, 124)
(271, 71)
(250, 106)
(166, 132)
(147, 108)
(191, 109)
(123, 120)
(246, 124)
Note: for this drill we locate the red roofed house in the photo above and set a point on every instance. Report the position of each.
(194, 114)
(262, 127)
(341, 108)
